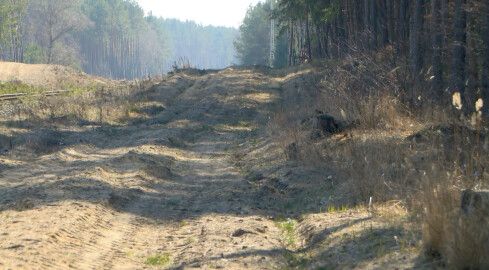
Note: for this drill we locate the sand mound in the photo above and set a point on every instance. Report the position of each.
(48, 76)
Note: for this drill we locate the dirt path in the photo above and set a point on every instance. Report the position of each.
(112, 203)
(118, 197)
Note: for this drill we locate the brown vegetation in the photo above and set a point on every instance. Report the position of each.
(225, 159)
(422, 160)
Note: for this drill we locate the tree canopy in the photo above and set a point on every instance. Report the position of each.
(111, 38)
(438, 44)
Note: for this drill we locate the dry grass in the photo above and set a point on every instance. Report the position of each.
(95, 104)
(390, 153)
(459, 239)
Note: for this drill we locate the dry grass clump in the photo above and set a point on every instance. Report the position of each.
(376, 168)
(388, 153)
(366, 93)
(456, 236)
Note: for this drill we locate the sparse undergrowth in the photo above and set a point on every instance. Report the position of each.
(16, 87)
(161, 260)
(288, 229)
(392, 153)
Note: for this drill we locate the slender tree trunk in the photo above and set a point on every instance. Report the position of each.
(485, 55)
(339, 36)
(366, 22)
(403, 26)
(390, 21)
(383, 22)
(326, 40)
(373, 22)
(416, 54)
(291, 44)
(51, 42)
(355, 26)
(320, 45)
(437, 44)
(457, 83)
(471, 72)
(308, 38)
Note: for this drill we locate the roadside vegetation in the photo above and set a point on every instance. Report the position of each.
(369, 150)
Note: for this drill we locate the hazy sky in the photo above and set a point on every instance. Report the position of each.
(214, 12)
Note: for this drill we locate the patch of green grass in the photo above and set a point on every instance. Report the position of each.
(333, 209)
(77, 90)
(191, 240)
(288, 228)
(132, 107)
(14, 87)
(159, 260)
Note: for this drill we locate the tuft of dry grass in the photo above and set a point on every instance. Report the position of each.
(458, 238)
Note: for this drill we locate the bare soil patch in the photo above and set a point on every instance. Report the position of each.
(46, 76)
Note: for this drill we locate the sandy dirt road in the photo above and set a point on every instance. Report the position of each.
(111, 197)
(117, 197)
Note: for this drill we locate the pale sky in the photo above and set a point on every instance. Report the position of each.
(206, 12)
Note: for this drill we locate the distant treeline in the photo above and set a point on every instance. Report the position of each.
(441, 46)
(111, 38)
(203, 46)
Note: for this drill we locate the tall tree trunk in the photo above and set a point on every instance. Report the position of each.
(320, 45)
(471, 72)
(485, 55)
(383, 22)
(390, 21)
(308, 38)
(326, 40)
(457, 83)
(355, 25)
(403, 26)
(291, 43)
(416, 54)
(366, 22)
(339, 35)
(437, 45)
(373, 24)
